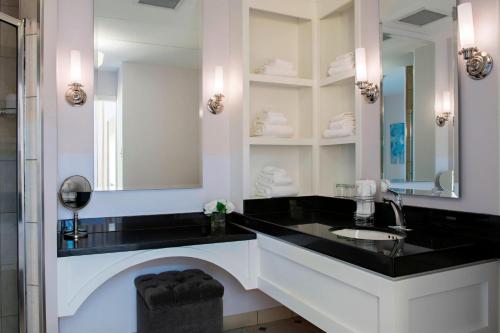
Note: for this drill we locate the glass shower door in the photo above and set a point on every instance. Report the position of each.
(11, 176)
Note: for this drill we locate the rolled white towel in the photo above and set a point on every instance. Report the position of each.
(266, 113)
(343, 116)
(281, 63)
(338, 133)
(339, 124)
(337, 72)
(275, 179)
(279, 131)
(271, 118)
(272, 170)
(275, 71)
(341, 64)
(276, 191)
(347, 56)
(271, 121)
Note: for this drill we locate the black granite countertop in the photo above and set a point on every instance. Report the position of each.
(433, 244)
(118, 234)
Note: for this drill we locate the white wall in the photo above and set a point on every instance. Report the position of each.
(161, 125)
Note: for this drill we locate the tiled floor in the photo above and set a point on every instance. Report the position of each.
(294, 325)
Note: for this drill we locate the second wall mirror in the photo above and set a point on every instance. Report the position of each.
(147, 128)
(420, 125)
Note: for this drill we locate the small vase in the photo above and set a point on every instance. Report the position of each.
(218, 222)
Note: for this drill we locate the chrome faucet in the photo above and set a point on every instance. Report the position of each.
(397, 207)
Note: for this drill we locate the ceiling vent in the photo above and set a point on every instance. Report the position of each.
(422, 17)
(170, 4)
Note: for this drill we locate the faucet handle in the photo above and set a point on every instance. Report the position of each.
(400, 228)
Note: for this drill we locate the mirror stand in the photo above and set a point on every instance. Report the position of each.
(77, 232)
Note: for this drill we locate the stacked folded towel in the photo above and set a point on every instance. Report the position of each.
(278, 67)
(341, 126)
(342, 64)
(273, 124)
(273, 182)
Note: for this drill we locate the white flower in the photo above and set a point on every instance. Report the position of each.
(211, 207)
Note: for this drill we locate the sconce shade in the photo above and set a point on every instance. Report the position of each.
(446, 101)
(100, 59)
(219, 80)
(75, 67)
(438, 105)
(361, 73)
(466, 25)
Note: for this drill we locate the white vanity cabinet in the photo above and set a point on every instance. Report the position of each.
(341, 298)
(336, 296)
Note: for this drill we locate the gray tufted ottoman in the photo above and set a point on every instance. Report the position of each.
(179, 302)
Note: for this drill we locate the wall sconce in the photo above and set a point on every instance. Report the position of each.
(75, 95)
(443, 109)
(216, 103)
(479, 63)
(368, 89)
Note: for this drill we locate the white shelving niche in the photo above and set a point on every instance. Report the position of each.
(310, 34)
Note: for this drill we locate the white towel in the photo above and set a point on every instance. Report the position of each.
(339, 71)
(343, 116)
(271, 118)
(339, 124)
(344, 57)
(275, 179)
(276, 191)
(342, 64)
(338, 133)
(279, 131)
(275, 71)
(281, 63)
(272, 170)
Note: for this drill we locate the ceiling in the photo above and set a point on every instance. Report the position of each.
(127, 31)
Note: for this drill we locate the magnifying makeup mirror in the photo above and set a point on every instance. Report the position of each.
(75, 194)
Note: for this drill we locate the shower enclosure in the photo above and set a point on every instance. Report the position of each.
(20, 186)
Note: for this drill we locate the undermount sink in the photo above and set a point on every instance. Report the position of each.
(364, 234)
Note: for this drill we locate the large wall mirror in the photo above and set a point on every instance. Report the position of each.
(147, 94)
(420, 122)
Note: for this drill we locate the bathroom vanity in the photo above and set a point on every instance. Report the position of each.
(438, 279)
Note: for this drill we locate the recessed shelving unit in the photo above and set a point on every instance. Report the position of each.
(310, 34)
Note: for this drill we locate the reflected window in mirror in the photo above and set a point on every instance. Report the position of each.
(420, 97)
(147, 101)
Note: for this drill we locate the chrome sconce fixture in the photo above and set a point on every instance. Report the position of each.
(478, 63)
(75, 95)
(368, 89)
(216, 102)
(443, 110)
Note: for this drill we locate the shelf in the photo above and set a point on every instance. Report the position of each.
(345, 78)
(282, 81)
(263, 141)
(338, 141)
